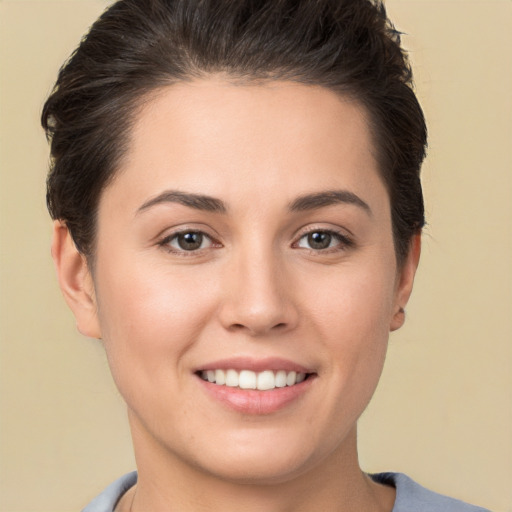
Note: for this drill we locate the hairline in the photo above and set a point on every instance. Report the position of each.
(138, 100)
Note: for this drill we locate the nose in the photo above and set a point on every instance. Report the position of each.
(258, 296)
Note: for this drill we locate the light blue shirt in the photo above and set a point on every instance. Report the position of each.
(410, 496)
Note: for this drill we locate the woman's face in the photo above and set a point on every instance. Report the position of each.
(247, 230)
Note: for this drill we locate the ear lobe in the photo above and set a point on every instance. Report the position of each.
(75, 280)
(405, 281)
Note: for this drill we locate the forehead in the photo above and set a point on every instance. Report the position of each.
(212, 136)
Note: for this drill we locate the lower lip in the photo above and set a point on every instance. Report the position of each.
(252, 401)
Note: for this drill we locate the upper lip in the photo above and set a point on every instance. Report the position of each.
(256, 365)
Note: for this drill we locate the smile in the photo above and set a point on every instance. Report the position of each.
(248, 379)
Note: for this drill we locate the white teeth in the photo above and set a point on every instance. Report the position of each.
(266, 380)
(220, 376)
(232, 378)
(291, 378)
(247, 379)
(280, 379)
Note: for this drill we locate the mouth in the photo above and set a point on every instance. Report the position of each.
(256, 386)
(265, 380)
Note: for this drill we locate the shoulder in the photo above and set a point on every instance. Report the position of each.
(107, 500)
(412, 496)
(409, 496)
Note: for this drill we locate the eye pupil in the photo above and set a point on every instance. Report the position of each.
(319, 240)
(190, 241)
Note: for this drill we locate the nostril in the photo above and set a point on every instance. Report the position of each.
(237, 327)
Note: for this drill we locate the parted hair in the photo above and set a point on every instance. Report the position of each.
(138, 46)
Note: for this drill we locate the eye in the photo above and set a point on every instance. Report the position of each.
(322, 239)
(187, 241)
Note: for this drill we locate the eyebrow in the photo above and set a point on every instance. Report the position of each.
(328, 198)
(303, 203)
(196, 201)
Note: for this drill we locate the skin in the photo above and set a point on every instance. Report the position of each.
(255, 288)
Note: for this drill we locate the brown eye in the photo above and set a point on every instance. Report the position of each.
(319, 240)
(324, 239)
(188, 241)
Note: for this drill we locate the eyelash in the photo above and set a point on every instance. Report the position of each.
(166, 242)
(343, 242)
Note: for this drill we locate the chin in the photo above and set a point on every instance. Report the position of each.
(263, 458)
(260, 469)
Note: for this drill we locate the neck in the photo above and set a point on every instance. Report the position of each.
(334, 484)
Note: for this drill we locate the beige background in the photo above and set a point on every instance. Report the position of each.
(443, 412)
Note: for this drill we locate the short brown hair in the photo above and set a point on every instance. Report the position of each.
(136, 46)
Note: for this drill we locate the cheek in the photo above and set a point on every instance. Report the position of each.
(353, 318)
(149, 316)
(354, 301)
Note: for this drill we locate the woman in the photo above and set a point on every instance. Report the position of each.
(238, 212)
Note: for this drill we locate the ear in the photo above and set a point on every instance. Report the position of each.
(75, 280)
(405, 281)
